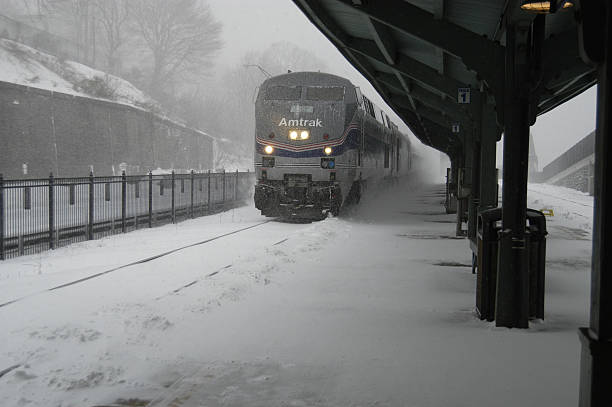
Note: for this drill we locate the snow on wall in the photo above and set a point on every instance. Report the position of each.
(27, 66)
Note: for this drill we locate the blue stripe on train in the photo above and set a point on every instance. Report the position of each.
(351, 143)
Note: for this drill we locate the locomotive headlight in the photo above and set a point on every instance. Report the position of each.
(304, 134)
(327, 150)
(269, 149)
(293, 135)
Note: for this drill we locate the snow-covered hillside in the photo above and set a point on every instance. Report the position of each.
(27, 66)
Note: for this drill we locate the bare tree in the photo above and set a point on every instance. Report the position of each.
(113, 17)
(181, 36)
(79, 14)
(237, 90)
(32, 7)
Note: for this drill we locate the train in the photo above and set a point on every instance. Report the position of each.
(318, 142)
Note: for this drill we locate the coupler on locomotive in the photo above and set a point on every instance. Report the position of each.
(306, 200)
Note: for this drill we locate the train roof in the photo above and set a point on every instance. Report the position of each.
(307, 78)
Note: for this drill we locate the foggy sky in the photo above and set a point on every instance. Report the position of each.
(254, 25)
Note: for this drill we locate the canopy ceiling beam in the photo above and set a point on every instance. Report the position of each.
(384, 40)
(386, 45)
(443, 117)
(314, 11)
(439, 134)
(568, 92)
(562, 64)
(477, 52)
(567, 77)
(424, 96)
(444, 140)
(439, 9)
(408, 67)
(511, 14)
(411, 119)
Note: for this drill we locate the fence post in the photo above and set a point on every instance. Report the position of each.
(236, 187)
(150, 199)
(208, 190)
(192, 182)
(224, 186)
(90, 225)
(1, 217)
(51, 212)
(173, 213)
(123, 200)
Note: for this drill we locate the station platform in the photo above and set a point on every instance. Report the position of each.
(373, 308)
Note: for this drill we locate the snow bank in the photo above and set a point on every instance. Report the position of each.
(570, 208)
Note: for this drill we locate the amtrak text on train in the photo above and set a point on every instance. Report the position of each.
(301, 122)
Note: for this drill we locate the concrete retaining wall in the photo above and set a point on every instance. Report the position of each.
(43, 131)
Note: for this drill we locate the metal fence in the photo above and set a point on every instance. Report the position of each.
(41, 214)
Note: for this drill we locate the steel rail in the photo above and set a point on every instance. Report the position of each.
(134, 263)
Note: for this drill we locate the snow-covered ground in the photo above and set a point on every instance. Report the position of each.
(571, 208)
(374, 308)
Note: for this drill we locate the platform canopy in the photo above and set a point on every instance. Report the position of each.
(427, 58)
(461, 72)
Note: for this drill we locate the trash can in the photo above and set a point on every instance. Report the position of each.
(536, 243)
(488, 226)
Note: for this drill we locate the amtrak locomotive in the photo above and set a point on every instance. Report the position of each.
(318, 141)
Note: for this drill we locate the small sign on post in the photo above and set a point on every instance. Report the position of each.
(464, 95)
(455, 128)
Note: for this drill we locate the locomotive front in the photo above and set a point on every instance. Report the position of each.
(303, 143)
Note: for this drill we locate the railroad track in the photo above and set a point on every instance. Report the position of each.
(134, 263)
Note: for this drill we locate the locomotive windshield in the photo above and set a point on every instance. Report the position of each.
(283, 93)
(327, 93)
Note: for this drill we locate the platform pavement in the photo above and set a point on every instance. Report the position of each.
(383, 315)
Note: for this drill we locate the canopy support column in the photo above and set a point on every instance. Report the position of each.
(474, 200)
(484, 174)
(464, 182)
(488, 153)
(511, 307)
(596, 358)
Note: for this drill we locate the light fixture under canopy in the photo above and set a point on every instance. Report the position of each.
(545, 7)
